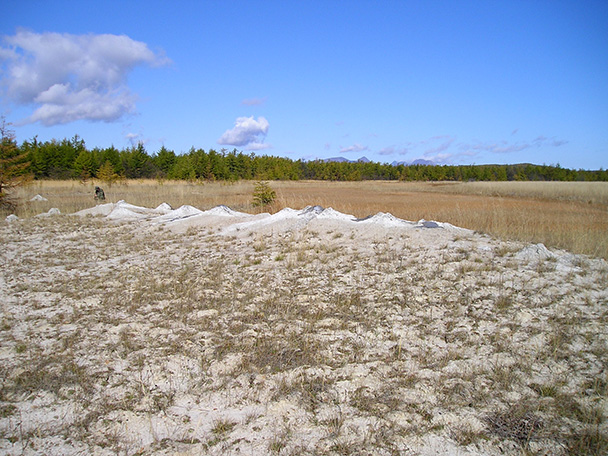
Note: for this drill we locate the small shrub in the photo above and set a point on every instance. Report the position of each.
(263, 194)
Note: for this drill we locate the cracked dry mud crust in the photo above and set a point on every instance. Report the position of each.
(217, 332)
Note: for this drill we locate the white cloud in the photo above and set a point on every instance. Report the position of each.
(246, 133)
(60, 104)
(135, 138)
(505, 147)
(72, 77)
(389, 150)
(253, 101)
(437, 150)
(353, 148)
(446, 149)
(558, 142)
(394, 150)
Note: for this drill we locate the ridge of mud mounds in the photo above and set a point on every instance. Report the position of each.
(101, 210)
(181, 213)
(224, 211)
(163, 208)
(215, 218)
(226, 221)
(126, 211)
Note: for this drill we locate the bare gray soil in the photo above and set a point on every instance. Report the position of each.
(179, 332)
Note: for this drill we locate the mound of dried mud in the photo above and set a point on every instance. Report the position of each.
(162, 331)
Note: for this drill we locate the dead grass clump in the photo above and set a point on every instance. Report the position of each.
(315, 390)
(54, 374)
(519, 423)
(589, 441)
(276, 354)
(222, 426)
(280, 441)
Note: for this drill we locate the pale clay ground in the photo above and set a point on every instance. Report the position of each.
(128, 330)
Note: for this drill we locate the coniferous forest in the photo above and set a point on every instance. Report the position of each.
(71, 159)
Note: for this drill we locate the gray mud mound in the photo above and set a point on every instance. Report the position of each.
(162, 331)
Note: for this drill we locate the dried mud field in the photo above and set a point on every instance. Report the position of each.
(135, 331)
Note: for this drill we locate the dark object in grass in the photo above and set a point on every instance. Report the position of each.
(99, 194)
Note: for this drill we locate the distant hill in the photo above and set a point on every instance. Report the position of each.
(346, 160)
(419, 161)
(337, 160)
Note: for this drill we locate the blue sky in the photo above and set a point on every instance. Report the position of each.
(453, 82)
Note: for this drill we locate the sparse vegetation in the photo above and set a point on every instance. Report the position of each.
(283, 342)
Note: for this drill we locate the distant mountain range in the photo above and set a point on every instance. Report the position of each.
(420, 161)
(346, 160)
(366, 160)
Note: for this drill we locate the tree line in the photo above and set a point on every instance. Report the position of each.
(70, 159)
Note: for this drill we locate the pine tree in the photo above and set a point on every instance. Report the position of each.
(83, 165)
(14, 166)
(263, 194)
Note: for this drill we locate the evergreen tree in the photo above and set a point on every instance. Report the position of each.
(14, 166)
(83, 165)
(137, 163)
(183, 169)
(112, 155)
(164, 160)
(263, 194)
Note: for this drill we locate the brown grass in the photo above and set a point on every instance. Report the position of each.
(567, 215)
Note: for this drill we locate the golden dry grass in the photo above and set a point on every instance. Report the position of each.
(568, 215)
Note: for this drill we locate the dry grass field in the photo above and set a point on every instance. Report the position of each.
(567, 215)
(148, 331)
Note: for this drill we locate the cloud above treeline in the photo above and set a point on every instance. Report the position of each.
(72, 77)
(353, 148)
(247, 133)
(446, 149)
(253, 101)
(506, 147)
